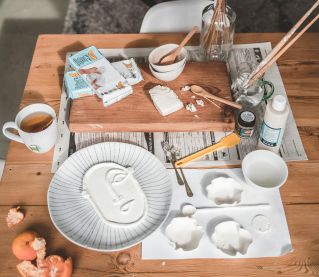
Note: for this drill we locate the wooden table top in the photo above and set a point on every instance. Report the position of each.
(27, 175)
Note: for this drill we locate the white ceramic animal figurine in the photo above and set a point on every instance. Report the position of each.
(224, 191)
(230, 238)
(184, 233)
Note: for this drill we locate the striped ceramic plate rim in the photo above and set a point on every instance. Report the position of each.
(76, 219)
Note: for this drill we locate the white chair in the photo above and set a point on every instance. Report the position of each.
(2, 162)
(174, 16)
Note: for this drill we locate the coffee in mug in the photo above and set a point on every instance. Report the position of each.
(37, 127)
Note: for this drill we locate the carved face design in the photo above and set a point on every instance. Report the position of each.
(114, 193)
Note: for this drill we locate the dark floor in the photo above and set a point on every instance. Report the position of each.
(21, 21)
(125, 16)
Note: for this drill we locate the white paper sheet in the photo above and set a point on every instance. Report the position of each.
(273, 243)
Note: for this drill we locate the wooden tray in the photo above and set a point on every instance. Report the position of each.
(136, 113)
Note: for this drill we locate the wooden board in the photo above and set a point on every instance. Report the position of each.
(137, 112)
(27, 175)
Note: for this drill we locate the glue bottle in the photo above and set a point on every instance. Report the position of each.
(273, 126)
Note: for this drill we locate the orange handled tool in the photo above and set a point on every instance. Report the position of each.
(227, 142)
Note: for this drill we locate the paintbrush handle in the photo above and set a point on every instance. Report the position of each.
(282, 42)
(281, 52)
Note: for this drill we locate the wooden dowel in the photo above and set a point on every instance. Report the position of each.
(282, 51)
(210, 36)
(211, 101)
(212, 23)
(284, 40)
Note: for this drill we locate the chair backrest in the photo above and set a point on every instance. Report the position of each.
(174, 16)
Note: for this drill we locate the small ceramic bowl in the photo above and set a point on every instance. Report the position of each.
(167, 76)
(264, 169)
(161, 51)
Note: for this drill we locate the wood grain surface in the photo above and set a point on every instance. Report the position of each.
(27, 175)
(137, 113)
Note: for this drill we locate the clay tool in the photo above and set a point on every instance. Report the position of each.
(199, 91)
(190, 210)
(166, 147)
(181, 180)
(227, 142)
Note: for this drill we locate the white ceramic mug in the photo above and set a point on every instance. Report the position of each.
(38, 142)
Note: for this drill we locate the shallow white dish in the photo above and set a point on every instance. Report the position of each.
(264, 169)
(161, 51)
(75, 217)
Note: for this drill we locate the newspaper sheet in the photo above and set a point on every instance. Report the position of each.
(186, 142)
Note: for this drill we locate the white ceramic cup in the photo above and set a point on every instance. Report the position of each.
(38, 142)
(264, 169)
(156, 55)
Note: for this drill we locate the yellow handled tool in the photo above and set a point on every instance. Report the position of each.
(227, 142)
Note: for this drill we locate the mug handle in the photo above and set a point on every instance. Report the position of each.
(271, 90)
(10, 135)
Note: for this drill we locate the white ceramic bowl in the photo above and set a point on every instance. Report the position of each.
(167, 76)
(161, 51)
(264, 169)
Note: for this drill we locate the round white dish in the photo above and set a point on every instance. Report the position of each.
(161, 51)
(167, 76)
(75, 217)
(264, 169)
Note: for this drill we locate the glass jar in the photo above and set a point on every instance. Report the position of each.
(250, 96)
(246, 124)
(216, 41)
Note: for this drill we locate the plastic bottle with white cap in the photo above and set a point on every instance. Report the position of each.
(273, 126)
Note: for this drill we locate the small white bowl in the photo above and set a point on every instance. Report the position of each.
(160, 52)
(264, 169)
(167, 76)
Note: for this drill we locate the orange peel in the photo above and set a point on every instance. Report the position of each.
(14, 217)
(29, 246)
(51, 266)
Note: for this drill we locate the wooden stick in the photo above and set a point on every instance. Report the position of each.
(211, 101)
(284, 40)
(210, 36)
(281, 52)
(199, 91)
(211, 26)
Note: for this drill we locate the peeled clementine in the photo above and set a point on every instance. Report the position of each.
(21, 247)
(55, 266)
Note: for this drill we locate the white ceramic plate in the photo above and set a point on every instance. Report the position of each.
(75, 217)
